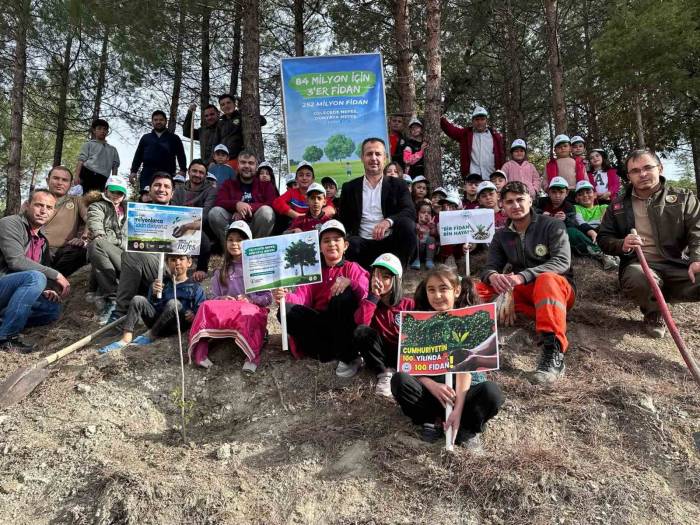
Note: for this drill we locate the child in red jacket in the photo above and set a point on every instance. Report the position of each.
(571, 169)
(320, 317)
(316, 216)
(377, 334)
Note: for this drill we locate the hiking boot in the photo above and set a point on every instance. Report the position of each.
(383, 387)
(415, 265)
(551, 366)
(610, 262)
(106, 313)
(16, 346)
(654, 325)
(431, 433)
(469, 440)
(348, 370)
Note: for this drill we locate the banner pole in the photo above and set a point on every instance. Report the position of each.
(448, 410)
(192, 137)
(467, 265)
(161, 264)
(283, 322)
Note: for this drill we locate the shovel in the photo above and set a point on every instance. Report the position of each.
(666, 314)
(22, 381)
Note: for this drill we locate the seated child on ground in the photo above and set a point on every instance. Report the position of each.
(499, 179)
(377, 334)
(475, 400)
(436, 196)
(419, 189)
(488, 199)
(320, 319)
(426, 231)
(219, 169)
(332, 199)
(588, 218)
(315, 216)
(232, 314)
(451, 202)
(159, 315)
(471, 183)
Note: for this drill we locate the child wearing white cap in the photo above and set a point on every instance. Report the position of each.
(415, 146)
(232, 314)
(377, 334)
(426, 231)
(564, 165)
(520, 169)
(589, 215)
(219, 169)
(489, 199)
(320, 321)
(578, 149)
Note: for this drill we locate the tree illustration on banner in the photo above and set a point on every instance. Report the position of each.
(339, 147)
(312, 154)
(300, 254)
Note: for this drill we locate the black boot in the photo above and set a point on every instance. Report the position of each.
(551, 366)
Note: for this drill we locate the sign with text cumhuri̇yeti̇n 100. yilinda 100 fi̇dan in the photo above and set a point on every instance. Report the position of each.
(160, 228)
(331, 104)
(461, 340)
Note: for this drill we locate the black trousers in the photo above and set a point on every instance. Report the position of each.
(402, 242)
(204, 253)
(481, 403)
(160, 324)
(377, 354)
(69, 259)
(91, 180)
(325, 335)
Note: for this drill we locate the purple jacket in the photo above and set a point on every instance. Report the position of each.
(234, 286)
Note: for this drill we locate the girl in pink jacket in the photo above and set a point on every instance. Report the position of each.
(520, 169)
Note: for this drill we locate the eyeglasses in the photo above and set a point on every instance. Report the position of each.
(644, 169)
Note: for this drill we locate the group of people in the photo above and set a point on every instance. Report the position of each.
(370, 235)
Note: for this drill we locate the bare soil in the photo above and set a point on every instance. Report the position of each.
(99, 441)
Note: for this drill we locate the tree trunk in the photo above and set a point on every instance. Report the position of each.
(556, 68)
(63, 79)
(19, 78)
(432, 95)
(515, 118)
(299, 28)
(236, 51)
(590, 99)
(206, 57)
(641, 137)
(101, 76)
(177, 70)
(250, 93)
(404, 64)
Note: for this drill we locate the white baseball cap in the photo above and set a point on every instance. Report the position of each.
(558, 182)
(407, 179)
(439, 189)
(583, 185)
(518, 143)
(291, 177)
(242, 227)
(390, 262)
(316, 187)
(452, 197)
(211, 176)
(501, 173)
(265, 164)
(117, 183)
(577, 138)
(420, 178)
(560, 139)
(304, 164)
(179, 178)
(480, 111)
(415, 120)
(486, 185)
(221, 147)
(332, 225)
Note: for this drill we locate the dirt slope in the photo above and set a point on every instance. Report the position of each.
(98, 442)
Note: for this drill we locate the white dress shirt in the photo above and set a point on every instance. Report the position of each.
(371, 208)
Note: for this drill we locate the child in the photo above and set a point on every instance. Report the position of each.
(419, 189)
(291, 181)
(438, 194)
(97, 160)
(578, 149)
(220, 168)
(413, 152)
(331, 187)
(498, 178)
(471, 183)
(422, 398)
(394, 169)
(450, 202)
(588, 218)
(563, 165)
(265, 172)
(106, 221)
(178, 180)
(315, 217)
(232, 314)
(377, 333)
(603, 177)
(159, 314)
(488, 198)
(320, 320)
(292, 203)
(519, 168)
(555, 203)
(426, 231)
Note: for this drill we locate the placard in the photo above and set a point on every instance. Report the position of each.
(462, 226)
(161, 228)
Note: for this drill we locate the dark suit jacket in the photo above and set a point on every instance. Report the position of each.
(396, 202)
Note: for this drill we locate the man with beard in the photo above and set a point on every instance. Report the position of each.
(230, 127)
(158, 151)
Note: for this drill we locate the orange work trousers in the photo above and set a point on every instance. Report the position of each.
(547, 299)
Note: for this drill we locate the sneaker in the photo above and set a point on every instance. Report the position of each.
(654, 325)
(15, 345)
(551, 366)
(142, 340)
(116, 345)
(383, 387)
(249, 367)
(469, 440)
(431, 433)
(206, 363)
(610, 262)
(348, 370)
(429, 265)
(415, 265)
(106, 313)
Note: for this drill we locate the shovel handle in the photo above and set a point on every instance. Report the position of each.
(666, 313)
(78, 344)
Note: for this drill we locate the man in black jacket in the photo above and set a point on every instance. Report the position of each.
(377, 211)
(206, 134)
(229, 130)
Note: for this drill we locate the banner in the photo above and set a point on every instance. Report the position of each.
(281, 261)
(331, 104)
(472, 226)
(462, 340)
(160, 228)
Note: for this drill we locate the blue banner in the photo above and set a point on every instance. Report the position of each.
(331, 104)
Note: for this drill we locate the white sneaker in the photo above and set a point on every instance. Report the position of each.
(383, 387)
(348, 369)
(206, 363)
(249, 367)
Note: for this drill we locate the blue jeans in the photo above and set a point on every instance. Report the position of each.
(21, 303)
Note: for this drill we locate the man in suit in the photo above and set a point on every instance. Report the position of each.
(377, 211)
